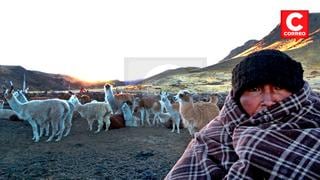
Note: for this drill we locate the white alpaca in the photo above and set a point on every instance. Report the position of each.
(22, 98)
(68, 122)
(116, 100)
(130, 120)
(40, 112)
(174, 114)
(196, 115)
(92, 111)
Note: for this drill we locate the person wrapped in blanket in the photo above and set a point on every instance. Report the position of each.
(268, 128)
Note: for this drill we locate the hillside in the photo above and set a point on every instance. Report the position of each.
(303, 50)
(217, 76)
(37, 80)
(169, 73)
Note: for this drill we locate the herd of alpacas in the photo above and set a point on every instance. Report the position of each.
(55, 115)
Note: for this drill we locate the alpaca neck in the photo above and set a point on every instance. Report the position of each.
(79, 108)
(110, 98)
(15, 104)
(127, 112)
(21, 97)
(72, 107)
(168, 106)
(186, 107)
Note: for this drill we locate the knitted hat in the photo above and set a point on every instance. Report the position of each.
(267, 67)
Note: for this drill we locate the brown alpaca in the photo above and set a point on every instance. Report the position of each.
(145, 105)
(196, 115)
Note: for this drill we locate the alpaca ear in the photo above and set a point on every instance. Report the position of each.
(11, 87)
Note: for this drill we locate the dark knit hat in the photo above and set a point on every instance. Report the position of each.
(267, 67)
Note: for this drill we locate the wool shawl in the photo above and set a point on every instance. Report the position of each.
(279, 142)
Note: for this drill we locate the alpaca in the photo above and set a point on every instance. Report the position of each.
(196, 115)
(19, 94)
(92, 111)
(130, 120)
(158, 111)
(174, 114)
(116, 100)
(144, 106)
(40, 112)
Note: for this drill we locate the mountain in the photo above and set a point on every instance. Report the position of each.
(37, 80)
(306, 51)
(40, 81)
(172, 72)
(240, 49)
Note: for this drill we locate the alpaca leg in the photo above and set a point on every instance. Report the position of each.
(157, 120)
(41, 131)
(178, 125)
(68, 124)
(142, 111)
(147, 117)
(160, 121)
(58, 132)
(107, 122)
(190, 130)
(62, 127)
(100, 125)
(107, 125)
(68, 128)
(47, 129)
(63, 120)
(90, 124)
(55, 127)
(34, 126)
(154, 120)
(33, 134)
(173, 125)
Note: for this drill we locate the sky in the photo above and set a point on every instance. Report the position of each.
(89, 39)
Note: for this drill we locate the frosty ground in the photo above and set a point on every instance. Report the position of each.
(127, 153)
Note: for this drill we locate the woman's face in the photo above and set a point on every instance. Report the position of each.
(255, 99)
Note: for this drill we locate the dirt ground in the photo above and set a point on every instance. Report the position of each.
(127, 153)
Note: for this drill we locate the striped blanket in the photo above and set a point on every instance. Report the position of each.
(281, 142)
